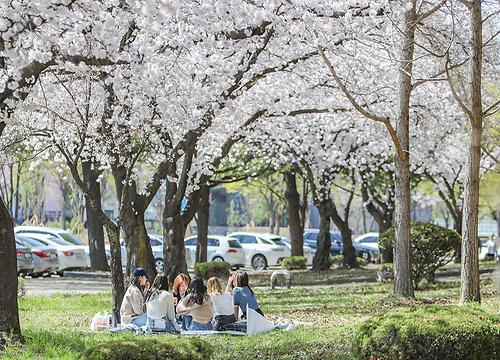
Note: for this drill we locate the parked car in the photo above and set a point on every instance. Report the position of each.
(308, 251)
(366, 246)
(311, 239)
(24, 258)
(59, 233)
(45, 259)
(71, 257)
(219, 248)
(369, 239)
(156, 242)
(260, 250)
(367, 251)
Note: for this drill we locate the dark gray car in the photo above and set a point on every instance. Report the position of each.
(45, 258)
(24, 257)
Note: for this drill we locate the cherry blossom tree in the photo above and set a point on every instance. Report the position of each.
(33, 37)
(36, 36)
(471, 100)
(400, 21)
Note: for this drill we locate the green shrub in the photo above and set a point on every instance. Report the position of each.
(207, 270)
(429, 332)
(177, 348)
(294, 263)
(432, 246)
(339, 259)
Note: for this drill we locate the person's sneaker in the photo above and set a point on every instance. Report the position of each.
(291, 327)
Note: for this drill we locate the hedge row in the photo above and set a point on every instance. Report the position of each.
(429, 332)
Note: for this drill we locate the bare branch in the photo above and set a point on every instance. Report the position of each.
(346, 92)
(453, 90)
(425, 15)
(492, 109)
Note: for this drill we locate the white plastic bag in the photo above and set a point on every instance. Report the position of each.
(100, 321)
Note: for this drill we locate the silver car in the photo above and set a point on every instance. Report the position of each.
(46, 261)
(62, 234)
(25, 263)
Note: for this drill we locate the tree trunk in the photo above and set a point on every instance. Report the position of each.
(174, 253)
(132, 224)
(470, 287)
(11, 189)
(402, 266)
(16, 201)
(135, 235)
(383, 217)
(117, 281)
(387, 253)
(95, 229)
(469, 290)
(348, 251)
(272, 213)
(63, 218)
(202, 224)
(322, 258)
(277, 224)
(9, 315)
(458, 228)
(174, 229)
(294, 222)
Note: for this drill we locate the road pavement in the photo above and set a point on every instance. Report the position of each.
(56, 284)
(83, 285)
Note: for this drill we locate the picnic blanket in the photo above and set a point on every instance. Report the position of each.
(255, 324)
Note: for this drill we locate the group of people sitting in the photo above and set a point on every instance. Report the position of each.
(190, 305)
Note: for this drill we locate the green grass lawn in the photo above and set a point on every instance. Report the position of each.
(57, 327)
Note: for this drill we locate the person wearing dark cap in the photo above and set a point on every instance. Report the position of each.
(133, 309)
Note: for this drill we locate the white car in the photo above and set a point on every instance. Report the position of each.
(219, 248)
(308, 251)
(157, 253)
(261, 250)
(59, 233)
(369, 240)
(71, 257)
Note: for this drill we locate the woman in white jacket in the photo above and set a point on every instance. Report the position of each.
(160, 306)
(132, 310)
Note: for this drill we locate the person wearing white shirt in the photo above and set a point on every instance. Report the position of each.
(222, 303)
(160, 306)
(492, 246)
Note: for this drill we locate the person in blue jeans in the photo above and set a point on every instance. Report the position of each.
(243, 295)
(160, 306)
(198, 305)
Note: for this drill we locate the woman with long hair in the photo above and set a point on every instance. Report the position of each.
(179, 287)
(198, 305)
(243, 295)
(160, 306)
(132, 310)
(222, 304)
